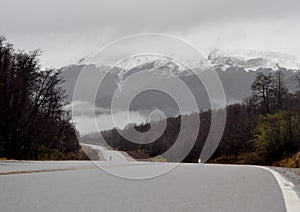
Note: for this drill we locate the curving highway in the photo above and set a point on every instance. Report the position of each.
(82, 186)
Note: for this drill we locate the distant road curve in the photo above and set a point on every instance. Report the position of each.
(109, 155)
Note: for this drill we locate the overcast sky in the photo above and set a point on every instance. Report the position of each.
(67, 30)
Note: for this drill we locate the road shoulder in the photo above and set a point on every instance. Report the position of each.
(288, 188)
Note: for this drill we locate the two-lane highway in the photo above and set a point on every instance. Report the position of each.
(82, 186)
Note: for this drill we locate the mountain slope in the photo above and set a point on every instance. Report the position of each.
(236, 69)
(252, 60)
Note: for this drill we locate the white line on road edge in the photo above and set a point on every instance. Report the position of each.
(291, 199)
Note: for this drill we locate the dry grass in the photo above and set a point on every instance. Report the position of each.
(291, 162)
(229, 159)
(3, 159)
(159, 159)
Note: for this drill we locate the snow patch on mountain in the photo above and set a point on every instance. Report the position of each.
(186, 65)
(167, 65)
(252, 59)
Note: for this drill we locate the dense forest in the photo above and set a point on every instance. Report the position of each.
(33, 124)
(263, 129)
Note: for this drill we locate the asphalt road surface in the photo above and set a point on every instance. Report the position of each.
(106, 154)
(82, 186)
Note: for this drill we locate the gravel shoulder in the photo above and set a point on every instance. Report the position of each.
(292, 174)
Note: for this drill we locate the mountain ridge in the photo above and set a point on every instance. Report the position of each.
(236, 82)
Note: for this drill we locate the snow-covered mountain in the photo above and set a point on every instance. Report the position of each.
(236, 69)
(248, 60)
(252, 60)
(137, 60)
(165, 66)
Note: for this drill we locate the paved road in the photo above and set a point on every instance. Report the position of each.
(108, 155)
(81, 186)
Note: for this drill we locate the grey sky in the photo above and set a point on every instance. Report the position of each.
(67, 30)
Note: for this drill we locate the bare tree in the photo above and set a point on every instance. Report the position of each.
(31, 103)
(262, 90)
